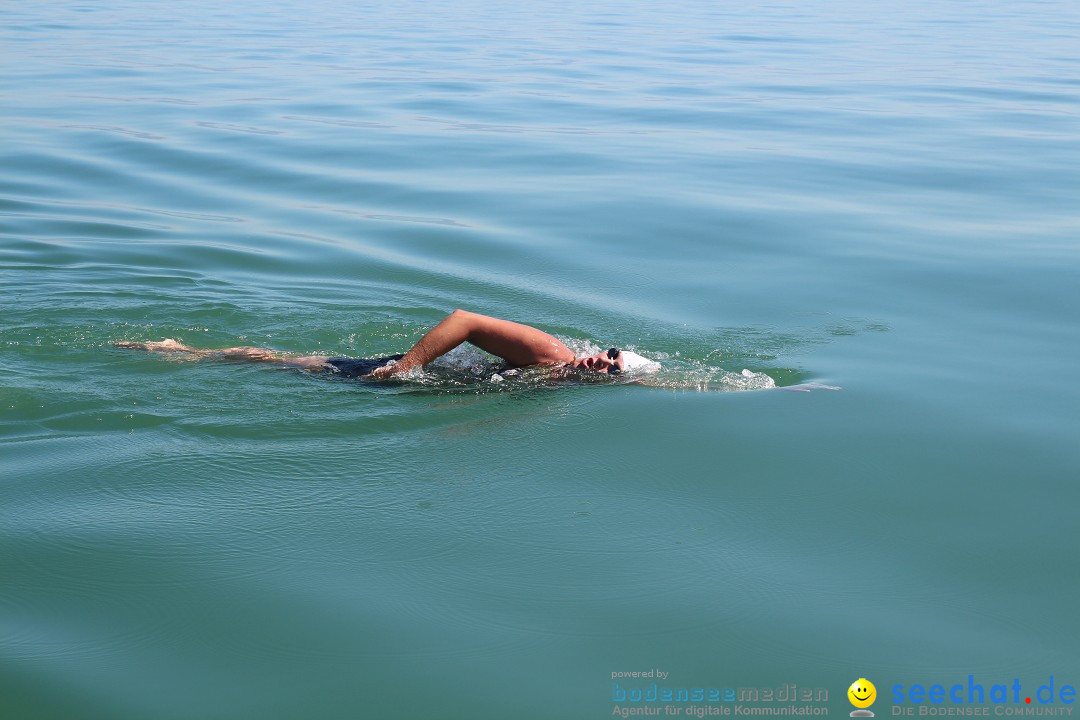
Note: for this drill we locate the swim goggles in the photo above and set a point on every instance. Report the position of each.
(613, 353)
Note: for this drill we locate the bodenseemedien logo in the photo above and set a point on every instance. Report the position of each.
(862, 695)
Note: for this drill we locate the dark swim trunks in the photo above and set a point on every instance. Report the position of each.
(356, 367)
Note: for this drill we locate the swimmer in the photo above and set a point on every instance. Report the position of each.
(518, 345)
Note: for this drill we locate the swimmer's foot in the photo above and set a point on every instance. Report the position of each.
(167, 345)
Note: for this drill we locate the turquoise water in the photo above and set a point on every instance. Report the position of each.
(875, 197)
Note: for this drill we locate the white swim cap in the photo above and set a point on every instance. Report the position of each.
(633, 361)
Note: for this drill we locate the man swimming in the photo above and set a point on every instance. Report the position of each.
(518, 345)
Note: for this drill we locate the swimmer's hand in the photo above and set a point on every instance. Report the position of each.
(383, 373)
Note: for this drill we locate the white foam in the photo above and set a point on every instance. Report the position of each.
(748, 380)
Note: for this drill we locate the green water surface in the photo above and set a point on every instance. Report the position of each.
(880, 198)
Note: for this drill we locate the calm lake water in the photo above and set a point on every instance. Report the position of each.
(877, 197)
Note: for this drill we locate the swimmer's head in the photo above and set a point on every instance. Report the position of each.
(613, 362)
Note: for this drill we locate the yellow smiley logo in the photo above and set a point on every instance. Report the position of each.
(862, 693)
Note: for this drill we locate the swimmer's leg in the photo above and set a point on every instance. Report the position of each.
(250, 354)
(166, 345)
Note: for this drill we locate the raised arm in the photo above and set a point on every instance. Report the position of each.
(515, 343)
